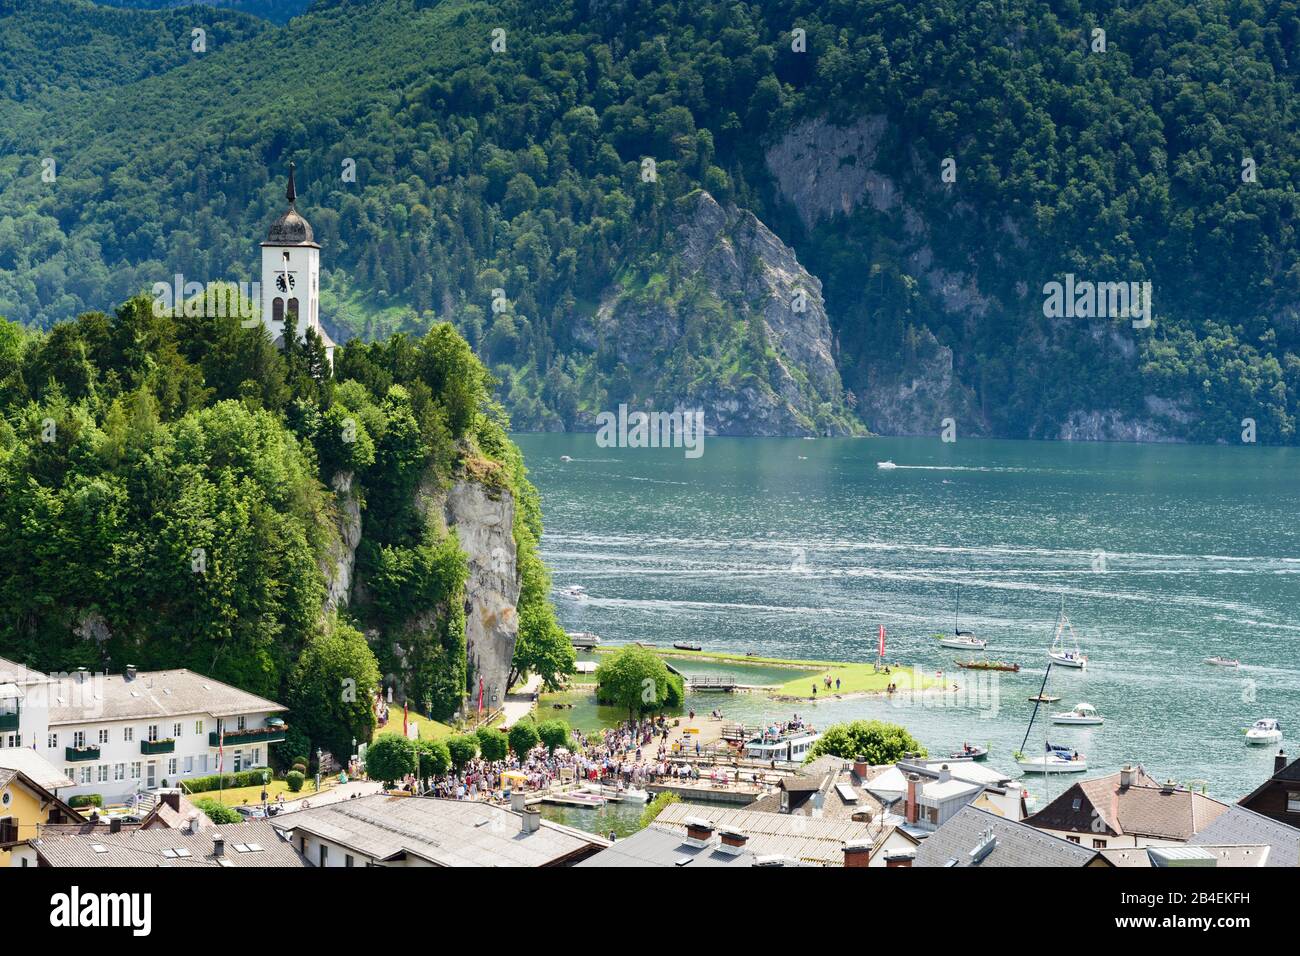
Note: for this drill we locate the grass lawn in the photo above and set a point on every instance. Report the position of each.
(672, 652)
(238, 796)
(429, 729)
(856, 679)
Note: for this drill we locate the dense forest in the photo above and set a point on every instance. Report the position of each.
(515, 162)
(170, 496)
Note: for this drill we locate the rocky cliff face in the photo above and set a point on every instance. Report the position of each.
(339, 561)
(483, 519)
(740, 331)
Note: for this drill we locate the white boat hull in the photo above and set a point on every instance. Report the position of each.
(1047, 765)
(1070, 720)
(1257, 738)
(1060, 660)
(955, 644)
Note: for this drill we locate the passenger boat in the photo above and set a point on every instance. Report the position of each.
(1054, 760)
(684, 646)
(969, 752)
(790, 746)
(1082, 714)
(1059, 653)
(989, 666)
(1264, 731)
(1223, 661)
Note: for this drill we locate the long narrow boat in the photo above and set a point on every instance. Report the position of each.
(989, 666)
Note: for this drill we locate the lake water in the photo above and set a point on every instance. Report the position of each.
(1163, 554)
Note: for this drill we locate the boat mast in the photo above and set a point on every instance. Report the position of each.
(1037, 702)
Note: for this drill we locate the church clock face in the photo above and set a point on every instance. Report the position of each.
(284, 281)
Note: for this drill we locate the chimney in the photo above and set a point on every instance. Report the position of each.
(944, 774)
(733, 841)
(1169, 786)
(115, 825)
(699, 832)
(857, 853)
(1126, 776)
(218, 845)
(532, 821)
(860, 767)
(130, 672)
(518, 801)
(913, 790)
(1279, 762)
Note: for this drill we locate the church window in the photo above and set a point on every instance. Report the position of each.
(277, 310)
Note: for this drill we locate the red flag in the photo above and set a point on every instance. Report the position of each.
(480, 694)
(882, 640)
(405, 733)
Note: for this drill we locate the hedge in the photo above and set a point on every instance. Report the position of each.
(86, 800)
(217, 781)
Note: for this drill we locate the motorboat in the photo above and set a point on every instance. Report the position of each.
(687, 646)
(574, 592)
(886, 465)
(989, 666)
(565, 458)
(1082, 714)
(1223, 661)
(969, 752)
(1061, 653)
(962, 642)
(1264, 731)
(618, 794)
(1054, 760)
(1044, 699)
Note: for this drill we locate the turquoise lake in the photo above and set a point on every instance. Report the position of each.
(1163, 554)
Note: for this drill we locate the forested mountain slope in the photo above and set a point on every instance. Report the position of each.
(523, 170)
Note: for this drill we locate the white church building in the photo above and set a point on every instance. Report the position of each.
(291, 276)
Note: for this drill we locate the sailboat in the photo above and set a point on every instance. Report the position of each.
(1059, 653)
(1055, 759)
(961, 640)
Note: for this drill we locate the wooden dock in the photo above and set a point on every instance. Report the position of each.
(724, 682)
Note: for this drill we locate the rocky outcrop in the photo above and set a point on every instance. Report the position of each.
(1161, 424)
(915, 395)
(727, 263)
(824, 170)
(339, 560)
(483, 519)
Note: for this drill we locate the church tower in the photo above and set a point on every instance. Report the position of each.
(291, 277)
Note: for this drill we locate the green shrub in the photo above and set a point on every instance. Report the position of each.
(217, 811)
(656, 807)
(245, 778)
(294, 779)
(86, 800)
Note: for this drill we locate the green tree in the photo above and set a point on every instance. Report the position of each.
(657, 806)
(434, 759)
(636, 679)
(879, 742)
(464, 748)
(554, 733)
(390, 758)
(333, 687)
(523, 737)
(217, 811)
(492, 743)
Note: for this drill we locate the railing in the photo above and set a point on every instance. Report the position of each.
(150, 747)
(258, 735)
(75, 754)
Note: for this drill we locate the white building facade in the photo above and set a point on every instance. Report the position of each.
(115, 735)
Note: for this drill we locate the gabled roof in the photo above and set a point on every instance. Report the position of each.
(35, 767)
(11, 672)
(1242, 827)
(1013, 844)
(1145, 808)
(794, 836)
(253, 843)
(151, 694)
(1288, 774)
(443, 832)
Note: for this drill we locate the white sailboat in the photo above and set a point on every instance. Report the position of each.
(1055, 760)
(1059, 652)
(961, 640)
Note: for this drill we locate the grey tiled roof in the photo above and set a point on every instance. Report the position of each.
(155, 694)
(653, 847)
(1016, 844)
(1242, 827)
(136, 847)
(444, 832)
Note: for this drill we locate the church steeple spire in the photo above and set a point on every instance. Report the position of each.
(291, 193)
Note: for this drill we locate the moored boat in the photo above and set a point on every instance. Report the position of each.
(963, 642)
(1044, 699)
(1082, 715)
(1223, 661)
(1266, 730)
(969, 752)
(1059, 653)
(685, 646)
(1054, 760)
